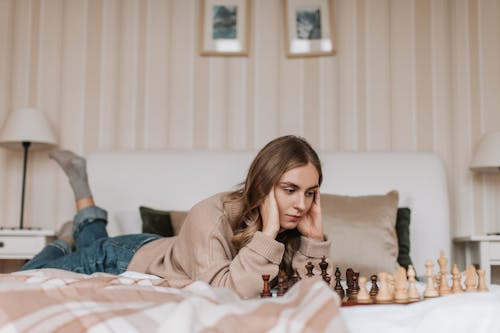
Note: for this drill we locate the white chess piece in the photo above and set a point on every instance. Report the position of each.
(481, 284)
(470, 279)
(363, 295)
(413, 294)
(456, 286)
(400, 286)
(444, 287)
(384, 295)
(430, 291)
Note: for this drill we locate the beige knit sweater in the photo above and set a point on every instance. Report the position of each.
(203, 251)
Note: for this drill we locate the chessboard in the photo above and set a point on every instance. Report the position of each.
(385, 288)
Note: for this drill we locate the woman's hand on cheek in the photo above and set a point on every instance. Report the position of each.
(312, 226)
(270, 215)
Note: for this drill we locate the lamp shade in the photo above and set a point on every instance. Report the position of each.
(487, 154)
(27, 125)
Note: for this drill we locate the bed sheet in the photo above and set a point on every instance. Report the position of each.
(50, 300)
(476, 312)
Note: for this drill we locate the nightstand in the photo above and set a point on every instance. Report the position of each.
(23, 243)
(480, 250)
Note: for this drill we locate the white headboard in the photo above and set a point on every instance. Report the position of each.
(121, 181)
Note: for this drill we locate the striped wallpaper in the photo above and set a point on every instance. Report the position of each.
(408, 75)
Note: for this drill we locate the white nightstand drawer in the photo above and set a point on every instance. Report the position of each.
(19, 246)
(494, 251)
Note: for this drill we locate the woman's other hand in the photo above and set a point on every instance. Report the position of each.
(312, 226)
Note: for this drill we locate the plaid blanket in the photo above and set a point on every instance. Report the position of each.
(49, 300)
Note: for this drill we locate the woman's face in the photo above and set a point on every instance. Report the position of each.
(295, 194)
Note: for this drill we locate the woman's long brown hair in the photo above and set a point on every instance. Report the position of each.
(272, 161)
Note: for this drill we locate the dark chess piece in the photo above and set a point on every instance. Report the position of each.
(309, 267)
(280, 287)
(374, 288)
(324, 266)
(355, 287)
(266, 290)
(283, 278)
(348, 276)
(338, 286)
(324, 274)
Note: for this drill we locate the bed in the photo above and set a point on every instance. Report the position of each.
(172, 181)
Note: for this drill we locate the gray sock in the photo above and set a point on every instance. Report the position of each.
(75, 168)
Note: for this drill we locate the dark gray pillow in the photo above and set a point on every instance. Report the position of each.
(156, 221)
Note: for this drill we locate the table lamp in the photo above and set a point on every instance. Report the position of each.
(487, 154)
(486, 157)
(26, 128)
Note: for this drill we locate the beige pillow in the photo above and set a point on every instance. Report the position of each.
(362, 230)
(177, 217)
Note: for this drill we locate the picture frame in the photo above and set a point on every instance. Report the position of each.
(225, 27)
(309, 28)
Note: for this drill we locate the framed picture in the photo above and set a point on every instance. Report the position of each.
(225, 27)
(309, 27)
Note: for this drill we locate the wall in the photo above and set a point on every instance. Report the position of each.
(125, 74)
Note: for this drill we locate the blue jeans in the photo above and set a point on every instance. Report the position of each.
(95, 250)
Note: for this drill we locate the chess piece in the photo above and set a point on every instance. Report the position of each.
(338, 286)
(430, 291)
(390, 284)
(384, 294)
(266, 291)
(349, 273)
(400, 288)
(456, 286)
(470, 279)
(309, 267)
(355, 287)
(481, 284)
(282, 286)
(324, 273)
(444, 287)
(374, 288)
(323, 265)
(413, 294)
(363, 295)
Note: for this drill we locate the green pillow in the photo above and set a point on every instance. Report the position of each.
(403, 232)
(156, 222)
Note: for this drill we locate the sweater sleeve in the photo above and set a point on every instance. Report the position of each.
(313, 251)
(205, 253)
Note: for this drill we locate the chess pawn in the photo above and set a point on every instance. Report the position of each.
(456, 286)
(481, 284)
(430, 291)
(363, 295)
(444, 287)
(309, 267)
(384, 295)
(400, 289)
(413, 294)
(470, 279)
(355, 287)
(374, 288)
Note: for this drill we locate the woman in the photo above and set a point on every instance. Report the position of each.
(228, 240)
